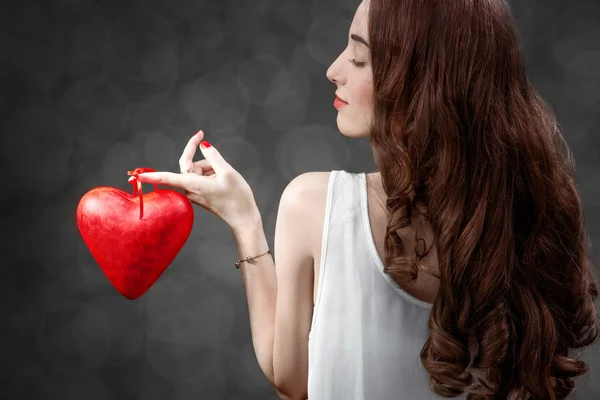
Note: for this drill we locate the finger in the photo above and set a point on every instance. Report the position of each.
(217, 162)
(187, 157)
(181, 181)
(203, 167)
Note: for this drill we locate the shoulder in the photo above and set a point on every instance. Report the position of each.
(307, 189)
(302, 205)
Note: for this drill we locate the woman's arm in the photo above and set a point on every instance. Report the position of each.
(295, 283)
(260, 285)
(279, 297)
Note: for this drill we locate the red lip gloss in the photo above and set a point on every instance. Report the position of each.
(337, 103)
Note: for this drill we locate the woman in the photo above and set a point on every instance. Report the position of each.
(472, 279)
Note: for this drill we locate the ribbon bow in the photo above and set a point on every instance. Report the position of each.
(138, 185)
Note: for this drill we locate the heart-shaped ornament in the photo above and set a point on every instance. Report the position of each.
(134, 238)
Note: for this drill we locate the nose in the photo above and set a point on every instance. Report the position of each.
(334, 72)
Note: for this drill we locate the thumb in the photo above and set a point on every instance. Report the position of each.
(216, 161)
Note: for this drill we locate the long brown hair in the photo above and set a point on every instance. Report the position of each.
(459, 128)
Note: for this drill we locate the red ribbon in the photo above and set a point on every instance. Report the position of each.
(137, 185)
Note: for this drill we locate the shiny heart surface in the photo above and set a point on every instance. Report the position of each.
(132, 247)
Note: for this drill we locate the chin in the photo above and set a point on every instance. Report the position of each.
(351, 130)
(352, 133)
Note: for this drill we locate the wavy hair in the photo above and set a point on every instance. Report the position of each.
(458, 128)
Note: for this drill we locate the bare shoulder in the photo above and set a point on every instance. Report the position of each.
(308, 193)
(308, 188)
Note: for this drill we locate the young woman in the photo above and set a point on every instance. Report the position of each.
(460, 267)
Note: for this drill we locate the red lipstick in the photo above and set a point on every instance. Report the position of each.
(337, 103)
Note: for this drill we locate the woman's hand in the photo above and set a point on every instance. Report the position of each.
(212, 184)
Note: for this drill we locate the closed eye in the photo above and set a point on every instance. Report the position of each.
(357, 63)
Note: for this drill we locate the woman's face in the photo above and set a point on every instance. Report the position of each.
(351, 72)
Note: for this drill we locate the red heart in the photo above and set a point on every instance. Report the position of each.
(133, 252)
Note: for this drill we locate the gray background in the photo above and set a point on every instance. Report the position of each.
(91, 89)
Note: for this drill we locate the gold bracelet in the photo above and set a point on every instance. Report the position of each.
(249, 259)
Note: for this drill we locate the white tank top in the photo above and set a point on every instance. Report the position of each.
(366, 333)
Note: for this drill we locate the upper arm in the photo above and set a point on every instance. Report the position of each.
(294, 263)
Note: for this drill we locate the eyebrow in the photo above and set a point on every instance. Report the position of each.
(359, 39)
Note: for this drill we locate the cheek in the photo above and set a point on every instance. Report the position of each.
(365, 95)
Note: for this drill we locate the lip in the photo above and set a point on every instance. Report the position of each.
(337, 103)
(340, 99)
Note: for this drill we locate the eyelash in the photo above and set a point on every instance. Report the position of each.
(356, 63)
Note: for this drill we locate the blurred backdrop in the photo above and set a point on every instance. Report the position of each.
(92, 89)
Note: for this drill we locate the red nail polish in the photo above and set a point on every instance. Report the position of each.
(204, 144)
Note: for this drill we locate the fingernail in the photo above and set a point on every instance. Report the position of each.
(204, 144)
(197, 133)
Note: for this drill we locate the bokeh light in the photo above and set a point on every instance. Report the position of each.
(74, 338)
